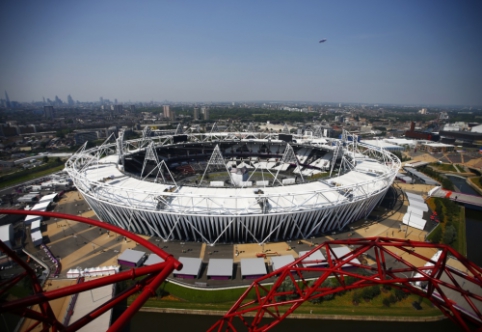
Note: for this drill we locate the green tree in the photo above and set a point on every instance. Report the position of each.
(450, 234)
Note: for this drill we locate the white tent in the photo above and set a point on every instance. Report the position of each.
(6, 234)
(415, 197)
(419, 205)
(37, 238)
(414, 221)
(415, 212)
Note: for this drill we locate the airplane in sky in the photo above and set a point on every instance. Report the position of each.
(323, 40)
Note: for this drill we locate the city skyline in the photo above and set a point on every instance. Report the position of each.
(401, 52)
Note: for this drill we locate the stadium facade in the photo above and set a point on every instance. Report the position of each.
(233, 187)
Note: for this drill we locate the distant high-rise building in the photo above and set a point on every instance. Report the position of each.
(117, 108)
(101, 99)
(49, 112)
(196, 114)
(166, 111)
(133, 108)
(70, 101)
(205, 111)
(58, 101)
(115, 101)
(7, 100)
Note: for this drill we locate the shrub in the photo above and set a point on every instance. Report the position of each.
(436, 235)
(356, 297)
(369, 293)
(450, 234)
(386, 302)
(400, 294)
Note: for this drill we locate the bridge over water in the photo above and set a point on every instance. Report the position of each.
(467, 199)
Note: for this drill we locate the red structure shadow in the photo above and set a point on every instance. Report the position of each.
(37, 306)
(455, 291)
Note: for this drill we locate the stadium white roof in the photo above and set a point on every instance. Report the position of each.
(315, 256)
(253, 267)
(220, 267)
(224, 200)
(280, 261)
(190, 266)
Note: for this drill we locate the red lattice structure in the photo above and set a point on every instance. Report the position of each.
(154, 275)
(455, 291)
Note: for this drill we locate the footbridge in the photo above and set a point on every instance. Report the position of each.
(467, 199)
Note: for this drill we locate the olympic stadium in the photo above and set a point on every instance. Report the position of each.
(233, 187)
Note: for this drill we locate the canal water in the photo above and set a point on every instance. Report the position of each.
(473, 222)
(147, 321)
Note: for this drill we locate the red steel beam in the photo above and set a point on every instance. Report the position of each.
(155, 275)
(270, 304)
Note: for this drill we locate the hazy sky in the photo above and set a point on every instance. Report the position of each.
(388, 51)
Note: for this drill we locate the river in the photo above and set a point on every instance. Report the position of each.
(473, 222)
(147, 321)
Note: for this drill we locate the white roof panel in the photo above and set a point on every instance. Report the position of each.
(220, 267)
(48, 198)
(253, 267)
(41, 206)
(153, 259)
(131, 256)
(342, 251)
(315, 256)
(36, 236)
(415, 212)
(418, 205)
(415, 197)
(280, 261)
(190, 266)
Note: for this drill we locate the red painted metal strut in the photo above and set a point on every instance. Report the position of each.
(457, 292)
(153, 275)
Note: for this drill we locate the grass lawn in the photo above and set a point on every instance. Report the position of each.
(477, 181)
(31, 176)
(222, 300)
(460, 242)
(444, 167)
